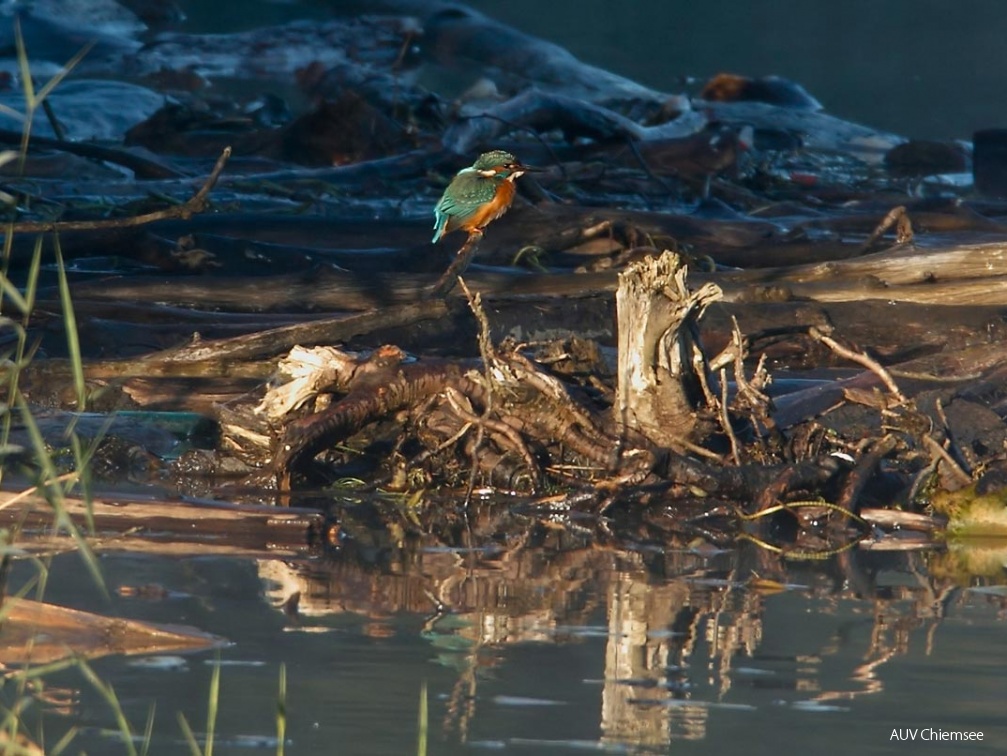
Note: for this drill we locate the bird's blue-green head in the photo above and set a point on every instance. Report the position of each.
(498, 164)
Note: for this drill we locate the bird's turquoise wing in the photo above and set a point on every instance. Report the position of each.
(443, 212)
(463, 197)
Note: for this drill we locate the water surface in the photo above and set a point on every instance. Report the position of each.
(551, 650)
(923, 68)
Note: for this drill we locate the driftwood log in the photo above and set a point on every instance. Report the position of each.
(36, 633)
(506, 409)
(663, 374)
(169, 527)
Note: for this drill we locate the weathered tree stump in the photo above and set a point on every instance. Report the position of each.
(662, 372)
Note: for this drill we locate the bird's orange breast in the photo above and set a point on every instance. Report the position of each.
(493, 209)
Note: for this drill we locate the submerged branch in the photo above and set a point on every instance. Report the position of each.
(195, 204)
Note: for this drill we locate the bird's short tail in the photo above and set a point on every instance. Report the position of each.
(440, 224)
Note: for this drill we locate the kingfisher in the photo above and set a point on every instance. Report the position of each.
(478, 195)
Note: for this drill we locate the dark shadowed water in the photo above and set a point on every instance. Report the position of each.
(923, 68)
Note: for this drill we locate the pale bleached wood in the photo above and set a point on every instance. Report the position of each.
(657, 391)
(40, 633)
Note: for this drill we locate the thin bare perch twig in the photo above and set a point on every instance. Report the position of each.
(725, 419)
(859, 357)
(951, 444)
(195, 204)
(942, 453)
(487, 350)
(897, 217)
(457, 267)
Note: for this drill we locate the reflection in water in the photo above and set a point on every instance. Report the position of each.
(682, 630)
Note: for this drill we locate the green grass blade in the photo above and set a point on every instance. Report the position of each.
(70, 325)
(24, 67)
(108, 693)
(33, 98)
(31, 285)
(148, 730)
(8, 604)
(54, 82)
(281, 712)
(54, 494)
(190, 739)
(82, 460)
(25, 303)
(8, 248)
(64, 742)
(42, 459)
(41, 670)
(424, 718)
(28, 86)
(10, 291)
(12, 726)
(41, 575)
(211, 708)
